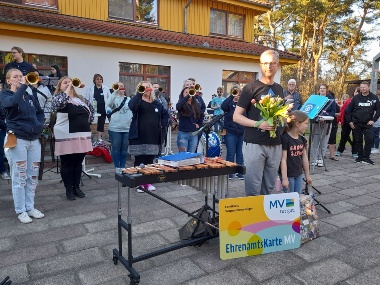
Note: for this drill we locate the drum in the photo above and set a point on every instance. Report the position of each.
(214, 148)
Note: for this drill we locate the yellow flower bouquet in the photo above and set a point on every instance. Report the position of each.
(274, 111)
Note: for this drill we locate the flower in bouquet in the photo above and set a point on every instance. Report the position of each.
(274, 111)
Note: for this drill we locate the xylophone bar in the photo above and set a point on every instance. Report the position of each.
(208, 185)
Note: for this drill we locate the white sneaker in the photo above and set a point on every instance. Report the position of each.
(320, 163)
(151, 187)
(5, 176)
(24, 218)
(375, 150)
(35, 214)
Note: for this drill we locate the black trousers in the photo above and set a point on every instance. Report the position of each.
(145, 159)
(366, 131)
(71, 168)
(345, 137)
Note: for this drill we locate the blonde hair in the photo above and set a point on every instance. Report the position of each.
(152, 93)
(58, 89)
(8, 75)
(345, 97)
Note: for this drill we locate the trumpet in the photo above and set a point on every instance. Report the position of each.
(160, 89)
(77, 83)
(197, 87)
(32, 78)
(235, 92)
(142, 89)
(192, 91)
(115, 87)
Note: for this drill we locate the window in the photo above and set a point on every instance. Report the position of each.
(132, 73)
(231, 77)
(144, 11)
(38, 3)
(226, 24)
(42, 61)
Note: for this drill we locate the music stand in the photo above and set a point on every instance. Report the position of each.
(313, 107)
(206, 128)
(49, 81)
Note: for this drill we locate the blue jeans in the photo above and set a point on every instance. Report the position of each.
(295, 184)
(2, 155)
(119, 148)
(234, 144)
(24, 161)
(186, 142)
(375, 132)
(218, 127)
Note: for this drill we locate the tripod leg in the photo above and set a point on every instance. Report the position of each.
(320, 204)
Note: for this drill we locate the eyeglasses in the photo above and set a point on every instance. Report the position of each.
(269, 63)
(13, 52)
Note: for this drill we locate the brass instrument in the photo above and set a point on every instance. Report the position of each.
(235, 92)
(192, 91)
(160, 89)
(141, 89)
(197, 87)
(32, 78)
(115, 87)
(76, 82)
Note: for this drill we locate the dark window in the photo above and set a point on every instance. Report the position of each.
(42, 61)
(231, 77)
(132, 73)
(144, 11)
(226, 24)
(37, 3)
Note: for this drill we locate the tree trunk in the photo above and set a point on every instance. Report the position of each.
(350, 51)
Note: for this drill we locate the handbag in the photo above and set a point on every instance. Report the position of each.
(309, 226)
(11, 140)
(195, 228)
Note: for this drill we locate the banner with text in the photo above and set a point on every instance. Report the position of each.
(259, 224)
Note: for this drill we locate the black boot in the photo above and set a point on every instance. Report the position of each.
(70, 193)
(78, 193)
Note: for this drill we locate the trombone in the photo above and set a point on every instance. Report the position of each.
(32, 78)
(235, 92)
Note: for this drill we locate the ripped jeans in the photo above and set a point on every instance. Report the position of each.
(24, 162)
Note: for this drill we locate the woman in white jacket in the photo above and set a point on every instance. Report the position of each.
(99, 93)
(118, 128)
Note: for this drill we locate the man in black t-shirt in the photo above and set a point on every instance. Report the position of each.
(262, 154)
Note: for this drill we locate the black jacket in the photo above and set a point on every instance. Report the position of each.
(363, 109)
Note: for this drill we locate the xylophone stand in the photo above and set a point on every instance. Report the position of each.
(128, 263)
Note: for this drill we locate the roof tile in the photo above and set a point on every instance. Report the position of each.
(129, 31)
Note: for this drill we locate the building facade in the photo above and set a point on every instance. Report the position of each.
(164, 41)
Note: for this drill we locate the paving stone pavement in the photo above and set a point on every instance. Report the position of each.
(73, 243)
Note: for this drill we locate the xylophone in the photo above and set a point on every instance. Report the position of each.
(203, 176)
(206, 177)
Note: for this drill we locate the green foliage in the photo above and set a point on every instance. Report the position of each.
(327, 34)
